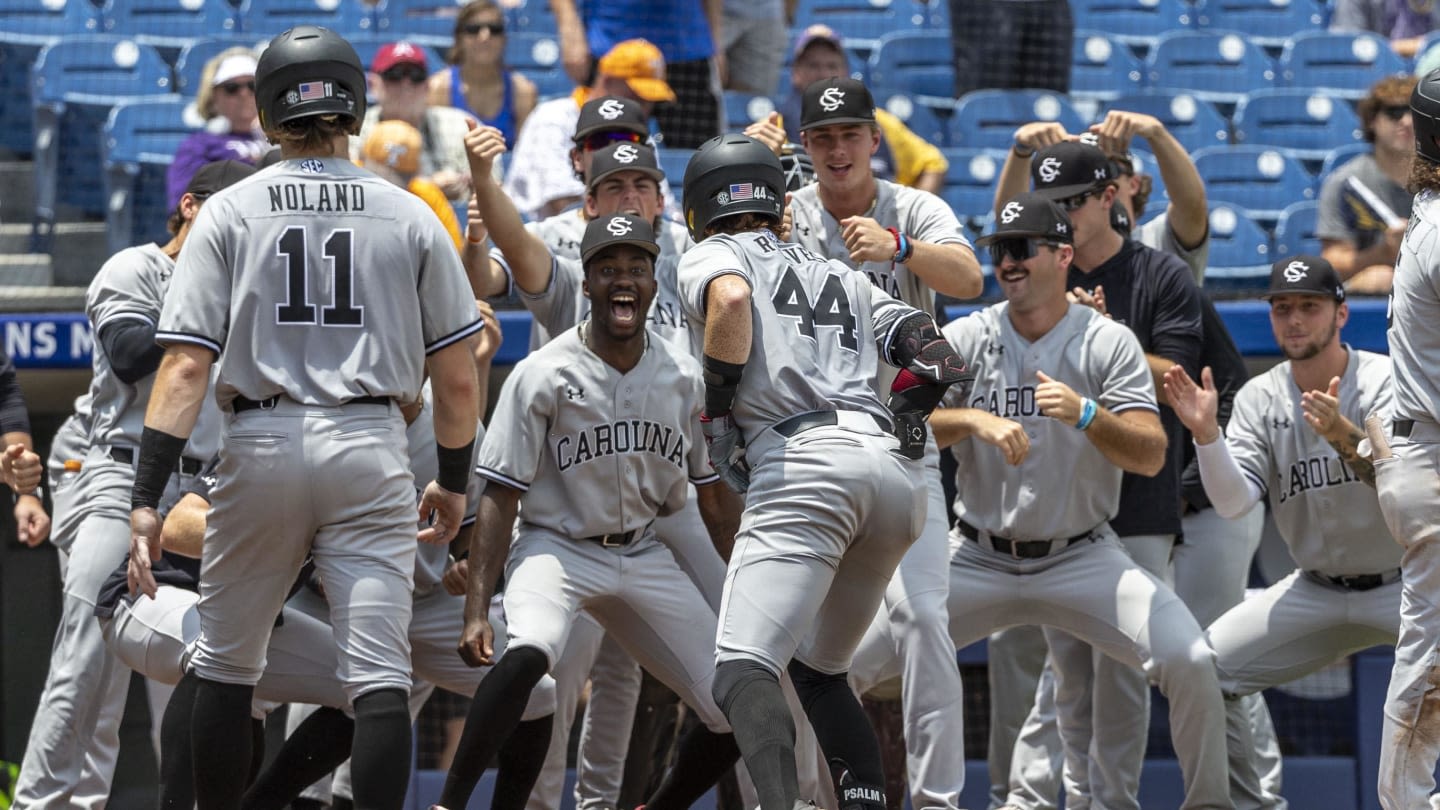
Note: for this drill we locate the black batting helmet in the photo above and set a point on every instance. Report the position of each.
(1425, 112)
(732, 174)
(306, 71)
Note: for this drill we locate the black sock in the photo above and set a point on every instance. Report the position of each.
(257, 752)
(380, 751)
(844, 732)
(220, 737)
(494, 713)
(177, 780)
(751, 698)
(702, 758)
(521, 757)
(317, 747)
(341, 803)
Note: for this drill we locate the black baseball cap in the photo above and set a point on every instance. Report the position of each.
(841, 100)
(1305, 275)
(1069, 168)
(623, 157)
(1031, 215)
(213, 177)
(610, 113)
(617, 229)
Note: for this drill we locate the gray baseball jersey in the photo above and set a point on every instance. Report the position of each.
(131, 286)
(1157, 234)
(563, 411)
(816, 326)
(1328, 517)
(918, 214)
(1095, 356)
(287, 269)
(1414, 315)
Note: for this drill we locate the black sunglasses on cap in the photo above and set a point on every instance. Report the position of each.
(596, 141)
(405, 73)
(1018, 248)
(494, 29)
(234, 88)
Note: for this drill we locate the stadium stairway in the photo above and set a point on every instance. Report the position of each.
(78, 246)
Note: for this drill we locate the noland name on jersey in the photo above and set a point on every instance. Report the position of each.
(320, 197)
(628, 436)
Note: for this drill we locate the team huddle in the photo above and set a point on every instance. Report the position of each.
(721, 461)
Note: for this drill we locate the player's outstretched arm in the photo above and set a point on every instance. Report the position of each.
(720, 509)
(1132, 440)
(184, 529)
(948, 267)
(1015, 174)
(456, 392)
(953, 425)
(487, 277)
(1189, 216)
(495, 521)
(527, 255)
(1323, 415)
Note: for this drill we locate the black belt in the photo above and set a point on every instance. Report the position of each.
(188, 466)
(241, 404)
(801, 422)
(617, 539)
(1359, 582)
(1402, 427)
(1023, 549)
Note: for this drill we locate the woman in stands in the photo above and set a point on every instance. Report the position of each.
(232, 125)
(477, 80)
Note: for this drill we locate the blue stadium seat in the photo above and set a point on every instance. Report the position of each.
(987, 119)
(1219, 66)
(919, 117)
(1239, 248)
(1261, 180)
(266, 18)
(140, 142)
(1266, 22)
(919, 62)
(1339, 157)
(741, 109)
(1144, 163)
(535, 17)
(1301, 123)
(538, 57)
(169, 25)
(1340, 64)
(25, 27)
(192, 59)
(673, 163)
(1194, 122)
(970, 182)
(1135, 22)
(1103, 68)
(428, 22)
(860, 23)
(76, 82)
(1295, 230)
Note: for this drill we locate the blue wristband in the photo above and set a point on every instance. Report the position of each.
(1088, 409)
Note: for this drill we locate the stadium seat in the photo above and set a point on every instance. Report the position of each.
(987, 119)
(25, 27)
(140, 142)
(76, 82)
(1266, 22)
(1103, 68)
(1295, 230)
(169, 25)
(918, 62)
(920, 118)
(672, 163)
(192, 59)
(1219, 66)
(1339, 64)
(428, 22)
(1144, 163)
(1239, 248)
(970, 182)
(1194, 122)
(1339, 157)
(266, 18)
(742, 109)
(1138, 23)
(1300, 123)
(860, 23)
(538, 57)
(1261, 180)
(534, 16)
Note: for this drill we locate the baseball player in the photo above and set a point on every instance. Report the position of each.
(1406, 462)
(1061, 388)
(599, 437)
(1293, 437)
(322, 294)
(908, 243)
(70, 443)
(791, 344)
(74, 739)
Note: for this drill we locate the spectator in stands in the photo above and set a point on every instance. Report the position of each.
(545, 172)
(398, 76)
(903, 156)
(688, 34)
(20, 466)
(1404, 24)
(1364, 204)
(477, 80)
(392, 151)
(1012, 44)
(754, 40)
(232, 124)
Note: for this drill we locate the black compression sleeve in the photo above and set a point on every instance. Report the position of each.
(159, 456)
(14, 418)
(131, 349)
(454, 464)
(721, 380)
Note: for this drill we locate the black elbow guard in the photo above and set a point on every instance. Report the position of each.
(917, 346)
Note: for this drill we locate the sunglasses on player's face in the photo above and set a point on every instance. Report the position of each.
(596, 141)
(494, 29)
(1395, 111)
(1019, 248)
(234, 88)
(413, 74)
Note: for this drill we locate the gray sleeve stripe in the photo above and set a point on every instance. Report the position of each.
(458, 335)
(709, 479)
(125, 316)
(166, 338)
(501, 478)
(704, 287)
(1130, 406)
(1254, 479)
(469, 521)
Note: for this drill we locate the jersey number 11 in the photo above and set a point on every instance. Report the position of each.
(297, 309)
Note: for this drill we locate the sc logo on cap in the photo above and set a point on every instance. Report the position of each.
(831, 99)
(1011, 212)
(1296, 271)
(1049, 169)
(626, 153)
(610, 109)
(618, 226)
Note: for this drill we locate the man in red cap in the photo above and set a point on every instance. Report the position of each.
(397, 81)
